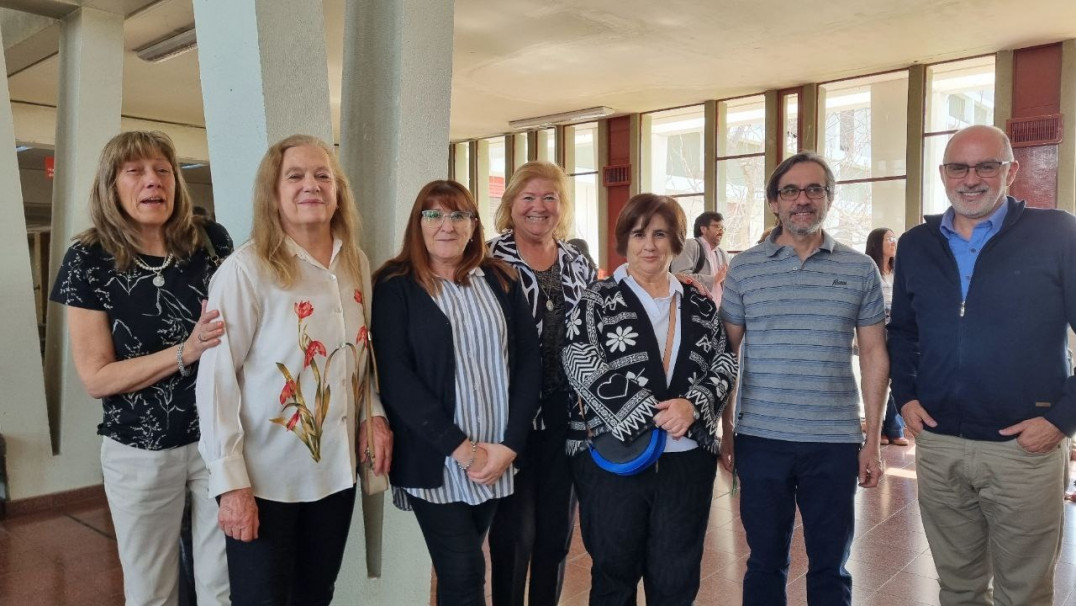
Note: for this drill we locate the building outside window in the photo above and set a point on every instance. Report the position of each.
(863, 137)
(581, 164)
(672, 152)
(959, 94)
(741, 170)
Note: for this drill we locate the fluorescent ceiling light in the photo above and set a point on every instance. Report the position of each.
(580, 115)
(22, 148)
(190, 166)
(166, 48)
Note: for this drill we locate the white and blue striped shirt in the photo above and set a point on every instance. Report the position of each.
(480, 345)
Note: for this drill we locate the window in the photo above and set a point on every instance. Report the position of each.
(863, 137)
(494, 173)
(461, 166)
(959, 94)
(547, 145)
(673, 157)
(790, 108)
(581, 164)
(741, 169)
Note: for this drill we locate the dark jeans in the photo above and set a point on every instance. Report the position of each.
(297, 555)
(893, 423)
(649, 526)
(533, 527)
(775, 477)
(454, 533)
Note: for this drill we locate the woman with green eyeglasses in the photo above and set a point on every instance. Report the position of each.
(459, 374)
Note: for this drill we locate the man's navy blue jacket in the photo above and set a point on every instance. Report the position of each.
(1000, 356)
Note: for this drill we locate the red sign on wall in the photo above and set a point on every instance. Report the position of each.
(496, 187)
(50, 166)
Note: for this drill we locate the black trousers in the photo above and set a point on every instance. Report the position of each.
(648, 526)
(454, 533)
(533, 527)
(297, 555)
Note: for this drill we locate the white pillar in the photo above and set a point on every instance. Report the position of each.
(397, 83)
(394, 109)
(23, 417)
(265, 76)
(87, 116)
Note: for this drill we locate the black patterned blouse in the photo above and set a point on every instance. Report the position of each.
(144, 319)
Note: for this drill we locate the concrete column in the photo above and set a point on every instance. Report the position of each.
(709, 156)
(23, 415)
(1003, 84)
(397, 83)
(87, 116)
(913, 191)
(1066, 152)
(265, 76)
(603, 192)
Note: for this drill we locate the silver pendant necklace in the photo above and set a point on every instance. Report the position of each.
(549, 299)
(158, 280)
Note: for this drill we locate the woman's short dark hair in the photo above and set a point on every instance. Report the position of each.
(705, 219)
(640, 209)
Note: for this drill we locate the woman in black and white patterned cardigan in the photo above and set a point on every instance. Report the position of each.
(649, 525)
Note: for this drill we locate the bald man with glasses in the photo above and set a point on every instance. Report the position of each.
(983, 296)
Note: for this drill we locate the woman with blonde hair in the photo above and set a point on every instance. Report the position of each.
(532, 529)
(278, 399)
(134, 285)
(458, 362)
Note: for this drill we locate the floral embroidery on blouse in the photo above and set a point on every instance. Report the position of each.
(304, 423)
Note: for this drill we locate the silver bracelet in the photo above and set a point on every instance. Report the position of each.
(183, 370)
(474, 450)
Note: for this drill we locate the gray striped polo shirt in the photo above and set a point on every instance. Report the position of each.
(799, 319)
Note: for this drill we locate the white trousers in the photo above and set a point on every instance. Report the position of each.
(146, 490)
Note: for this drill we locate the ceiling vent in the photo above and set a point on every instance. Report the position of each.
(1036, 130)
(616, 175)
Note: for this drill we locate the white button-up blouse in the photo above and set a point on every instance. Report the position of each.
(277, 397)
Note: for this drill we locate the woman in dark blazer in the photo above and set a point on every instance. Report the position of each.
(459, 377)
(647, 354)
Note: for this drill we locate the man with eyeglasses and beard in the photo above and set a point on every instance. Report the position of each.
(795, 301)
(982, 296)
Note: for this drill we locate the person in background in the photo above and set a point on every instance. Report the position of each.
(584, 249)
(882, 247)
(135, 286)
(983, 298)
(278, 399)
(645, 353)
(703, 259)
(532, 529)
(460, 379)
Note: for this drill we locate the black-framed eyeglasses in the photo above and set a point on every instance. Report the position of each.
(437, 217)
(814, 192)
(990, 168)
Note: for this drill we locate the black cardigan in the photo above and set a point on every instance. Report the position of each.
(416, 368)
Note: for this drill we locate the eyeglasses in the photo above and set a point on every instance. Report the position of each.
(891, 239)
(437, 217)
(814, 192)
(990, 168)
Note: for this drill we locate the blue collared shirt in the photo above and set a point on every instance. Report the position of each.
(967, 251)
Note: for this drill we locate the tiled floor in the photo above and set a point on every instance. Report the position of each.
(69, 558)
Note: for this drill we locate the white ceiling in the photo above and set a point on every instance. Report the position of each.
(522, 58)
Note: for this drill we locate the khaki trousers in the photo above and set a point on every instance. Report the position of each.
(991, 509)
(146, 490)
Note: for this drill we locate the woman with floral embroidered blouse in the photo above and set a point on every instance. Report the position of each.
(277, 399)
(458, 362)
(134, 285)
